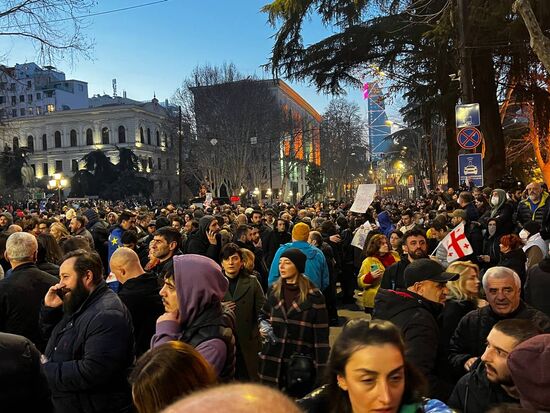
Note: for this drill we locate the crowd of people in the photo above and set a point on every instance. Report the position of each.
(112, 307)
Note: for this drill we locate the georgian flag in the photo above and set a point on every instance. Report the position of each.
(456, 244)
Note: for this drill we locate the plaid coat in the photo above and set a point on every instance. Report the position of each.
(304, 329)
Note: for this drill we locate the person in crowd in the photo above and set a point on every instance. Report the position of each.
(78, 227)
(489, 383)
(129, 239)
(126, 221)
(407, 223)
(139, 291)
(206, 240)
(245, 298)
(268, 244)
(368, 372)
(348, 280)
(502, 211)
(74, 243)
(235, 398)
(466, 202)
(534, 246)
(282, 232)
(415, 246)
(483, 208)
(49, 254)
(395, 242)
(378, 257)
(386, 226)
(295, 314)
(193, 290)
(112, 220)
(491, 245)
(22, 292)
(6, 219)
(512, 255)
(316, 268)
(532, 383)
(163, 247)
(59, 231)
(535, 207)
(415, 311)
(472, 231)
(167, 373)
(439, 230)
(91, 343)
(537, 285)
(24, 386)
(502, 288)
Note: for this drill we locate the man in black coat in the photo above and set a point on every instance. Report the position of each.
(139, 291)
(415, 246)
(415, 311)
(269, 245)
(91, 344)
(21, 294)
(489, 382)
(502, 288)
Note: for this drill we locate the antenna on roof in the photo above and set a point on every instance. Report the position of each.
(114, 88)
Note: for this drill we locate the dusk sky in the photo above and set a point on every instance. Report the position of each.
(151, 49)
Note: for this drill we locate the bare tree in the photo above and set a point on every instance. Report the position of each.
(539, 42)
(55, 27)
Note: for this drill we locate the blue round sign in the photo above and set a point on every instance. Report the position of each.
(469, 138)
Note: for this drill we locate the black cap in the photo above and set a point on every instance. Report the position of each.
(297, 257)
(424, 269)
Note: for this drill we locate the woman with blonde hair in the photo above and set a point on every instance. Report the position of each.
(379, 256)
(59, 231)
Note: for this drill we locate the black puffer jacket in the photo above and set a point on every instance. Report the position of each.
(471, 334)
(22, 383)
(417, 319)
(89, 354)
(474, 393)
(515, 260)
(394, 275)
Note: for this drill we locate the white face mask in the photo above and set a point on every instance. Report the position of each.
(524, 235)
(494, 200)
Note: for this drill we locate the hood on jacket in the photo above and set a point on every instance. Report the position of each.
(501, 195)
(199, 284)
(204, 223)
(8, 216)
(309, 250)
(389, 303)
(386, 225)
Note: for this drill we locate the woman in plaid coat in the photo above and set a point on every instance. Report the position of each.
(296, 311)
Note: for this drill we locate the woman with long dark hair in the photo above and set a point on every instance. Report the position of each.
(367, 372)
(294, 324)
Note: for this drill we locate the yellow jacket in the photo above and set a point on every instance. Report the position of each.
(370, 290)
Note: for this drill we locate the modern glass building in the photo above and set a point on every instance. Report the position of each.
(378, 126)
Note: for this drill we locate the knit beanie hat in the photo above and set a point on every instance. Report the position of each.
(300, 232)
(528, 364)
(92, 215)
(297, 257)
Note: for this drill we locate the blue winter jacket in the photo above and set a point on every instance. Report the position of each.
(316, 264)
(89, 355)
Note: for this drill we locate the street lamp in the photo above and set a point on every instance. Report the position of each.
(58, 183)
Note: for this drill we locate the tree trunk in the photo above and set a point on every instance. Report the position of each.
(452, 147)
(485, 93)
(539, 42)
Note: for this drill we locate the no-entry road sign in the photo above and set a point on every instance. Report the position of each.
(469, 138)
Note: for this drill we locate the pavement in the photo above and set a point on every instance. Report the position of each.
(345, 313)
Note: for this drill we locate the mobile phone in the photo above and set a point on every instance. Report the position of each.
(373, 267)
(62, 291)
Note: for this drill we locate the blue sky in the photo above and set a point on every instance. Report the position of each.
(153, 48)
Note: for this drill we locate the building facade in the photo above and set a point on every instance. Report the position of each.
(57, 141)
(378, 127)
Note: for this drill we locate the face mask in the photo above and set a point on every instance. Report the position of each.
(492, 230)
(494, 200)
(524, 235)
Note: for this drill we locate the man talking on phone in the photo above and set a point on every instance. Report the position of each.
(91, 344)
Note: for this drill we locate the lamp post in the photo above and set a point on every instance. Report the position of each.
(59, 183)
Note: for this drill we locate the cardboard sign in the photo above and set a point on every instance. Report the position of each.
(363, 198)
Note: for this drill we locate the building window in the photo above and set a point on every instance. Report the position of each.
(58, 166)
(73, 138)
(148, 136)
(74, 165)
(38, 110)
(158, 138)
(29, 111)
(57, 139)
(38, 96)
(105, 136)
(160, 164)
(167, 164)
(29, 98)
(45, 171)
(44, 144)
(2, 100)
(141, 139)
(121, 134)
(33, 166)
(143, 164)
(15, 143)
(150, 163)
(12, 87)
(50, 108)
(29, 84)
(30, 143)
(89, 137)
(13, 100)
(22, 111)
(14, 113)
(21, 98)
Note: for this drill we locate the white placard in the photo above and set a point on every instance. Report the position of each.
(363, 198)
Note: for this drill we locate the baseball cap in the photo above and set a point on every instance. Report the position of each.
(424, 269)
(152, 223)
